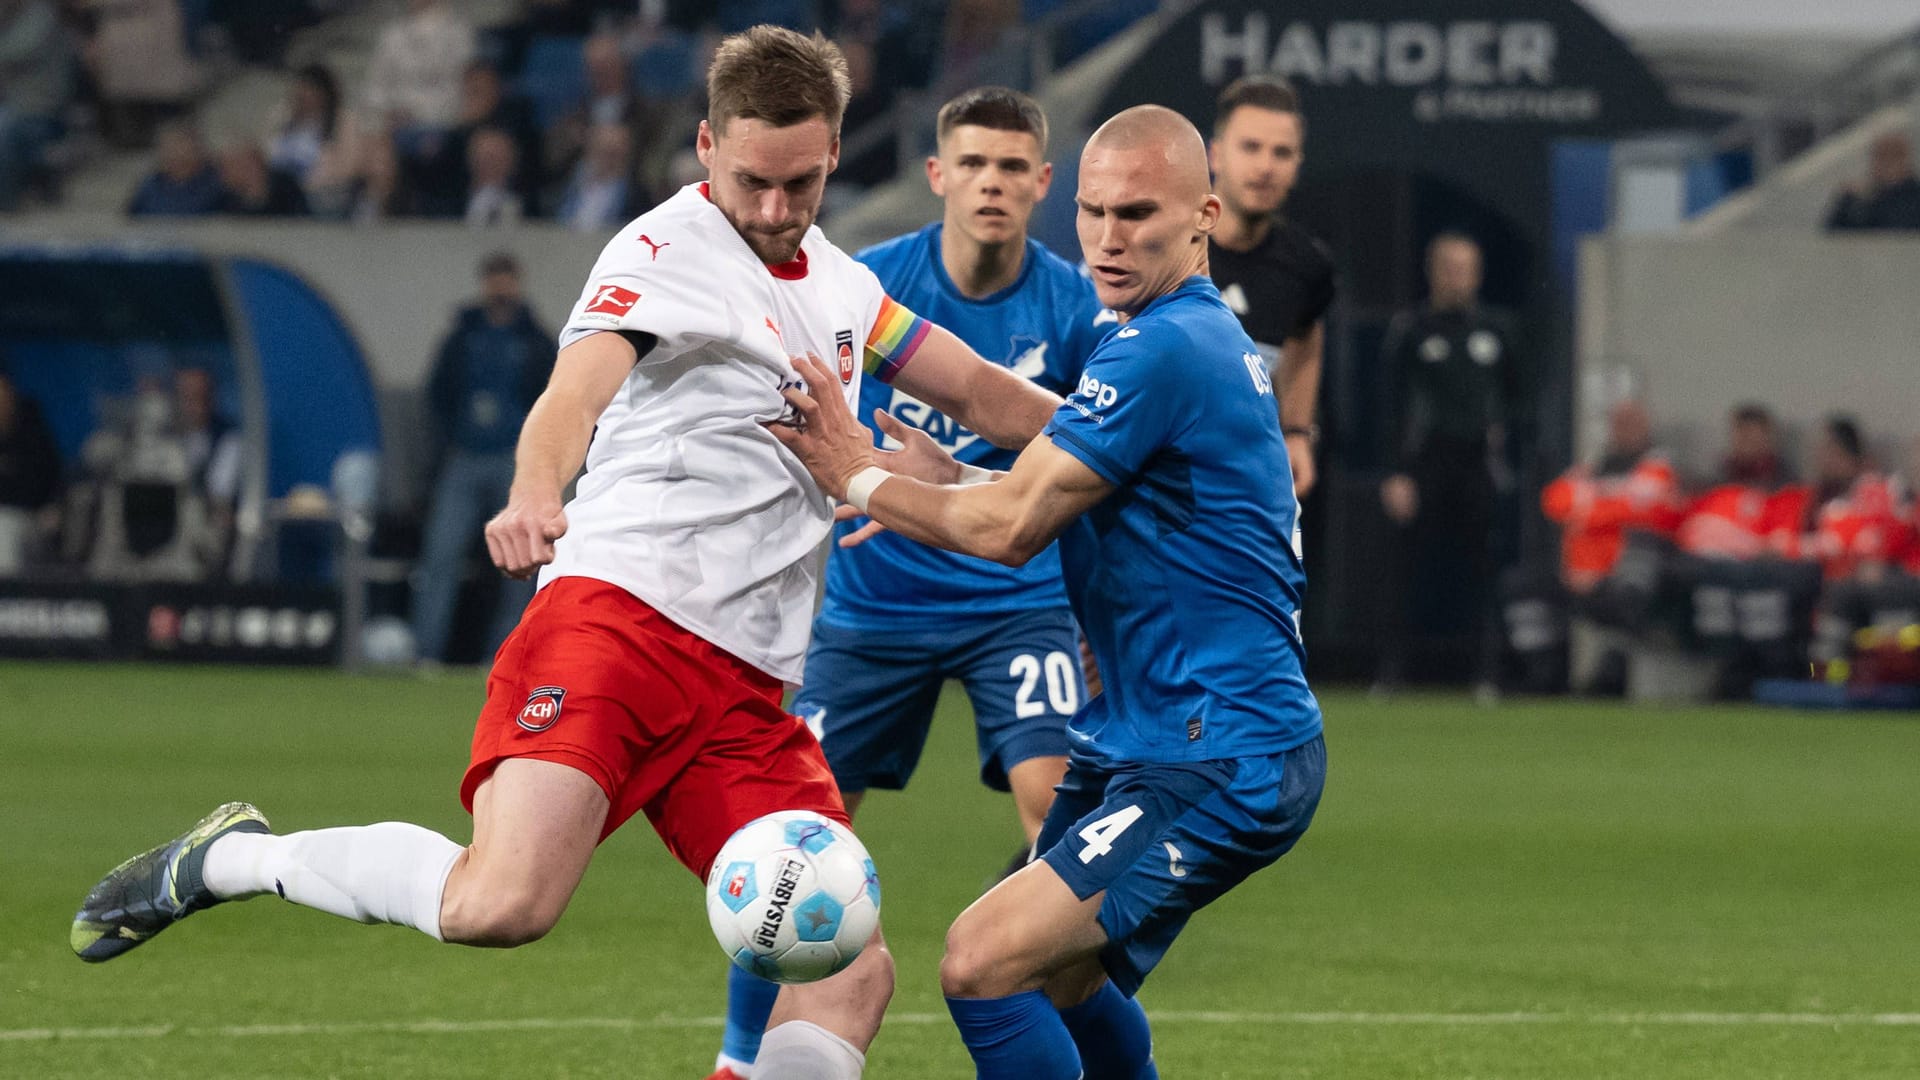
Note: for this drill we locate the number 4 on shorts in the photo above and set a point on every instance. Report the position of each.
(1100, 835)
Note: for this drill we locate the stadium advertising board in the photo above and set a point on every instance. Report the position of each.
(220, 623)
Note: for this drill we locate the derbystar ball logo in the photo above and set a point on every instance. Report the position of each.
(843, 343)
(612, 300)
(542, 709)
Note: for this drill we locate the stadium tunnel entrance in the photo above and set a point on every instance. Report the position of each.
(98, 337)
(1418, 121)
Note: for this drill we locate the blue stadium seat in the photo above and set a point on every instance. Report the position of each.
(738, 15)
(665, 68)
(554, 76)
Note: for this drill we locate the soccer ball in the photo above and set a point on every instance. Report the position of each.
(793, 897)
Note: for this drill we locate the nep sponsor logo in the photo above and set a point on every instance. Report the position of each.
(1103, 395)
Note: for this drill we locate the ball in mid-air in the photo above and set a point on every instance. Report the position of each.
(793, 897)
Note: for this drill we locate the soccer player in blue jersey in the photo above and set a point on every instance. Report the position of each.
(1165, 479)
(901, 618)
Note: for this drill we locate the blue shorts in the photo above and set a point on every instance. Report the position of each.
(1165, 840)
(869, 694)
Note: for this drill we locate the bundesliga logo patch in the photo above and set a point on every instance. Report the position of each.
(542, 709)
(843, 341)
(612, 300)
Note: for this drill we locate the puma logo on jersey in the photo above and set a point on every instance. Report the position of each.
(1131, 331)
(613, 300)
(656, 247)
(771, 325)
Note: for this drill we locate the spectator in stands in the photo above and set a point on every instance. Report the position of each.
(249, 187)
(313, 122)
(601, 194)
(185, 182)
(36, 83)
(358, 179)
(1889, 198)
(142, 66)
(29, 478)
(491, 367)
(493, 196)
(259, 30)
(414, 81)
(609, 99)
(1632, 487)
(1753, 450)
(441, 179)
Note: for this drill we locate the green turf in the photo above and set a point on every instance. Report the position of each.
(1568, 863)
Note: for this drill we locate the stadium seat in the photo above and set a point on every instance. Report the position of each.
(666, 68)
(554, 76)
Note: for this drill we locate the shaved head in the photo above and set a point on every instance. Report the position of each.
(1145, 206)
(1164, 135)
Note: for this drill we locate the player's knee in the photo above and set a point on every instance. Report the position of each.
(970, 968)
(498, 918)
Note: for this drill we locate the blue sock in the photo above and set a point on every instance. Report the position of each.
(1016, 1038)
(749, 1003)
(1111, 1031)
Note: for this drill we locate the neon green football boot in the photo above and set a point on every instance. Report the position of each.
(150, 892)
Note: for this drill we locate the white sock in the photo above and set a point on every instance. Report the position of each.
(392, 872)
(798, 1050)
(742, 1069)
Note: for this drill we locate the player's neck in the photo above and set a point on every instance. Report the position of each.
(979, 270)
(1242, 231)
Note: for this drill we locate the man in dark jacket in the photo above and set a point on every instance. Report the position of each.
(1890, 197)
(491, 367)
(29, 476)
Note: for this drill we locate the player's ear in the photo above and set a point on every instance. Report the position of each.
(935, 180)
(1044, 182)
(703, 146)
(833, 155)
(1209, 216)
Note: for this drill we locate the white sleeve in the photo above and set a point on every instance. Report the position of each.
(670, 295)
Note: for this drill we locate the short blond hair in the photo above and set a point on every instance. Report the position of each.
(777, 75)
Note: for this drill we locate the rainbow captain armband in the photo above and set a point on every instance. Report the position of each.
(897, 334)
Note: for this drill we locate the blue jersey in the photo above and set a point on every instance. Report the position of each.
(1043, 327)
(1184, 579)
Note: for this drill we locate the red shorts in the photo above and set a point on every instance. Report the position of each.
(663, 720)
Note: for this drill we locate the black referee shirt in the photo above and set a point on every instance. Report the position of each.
(1457, 374)
(1279, 289)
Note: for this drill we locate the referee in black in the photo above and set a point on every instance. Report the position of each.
(1458, 382)
(1274, 276)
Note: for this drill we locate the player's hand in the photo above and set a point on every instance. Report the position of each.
(1300, 457)
(862, 534)
(828, 440)
(1400, 498)
(919, 456)
(520, 538)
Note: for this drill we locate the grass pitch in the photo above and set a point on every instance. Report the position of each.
(1543, 889)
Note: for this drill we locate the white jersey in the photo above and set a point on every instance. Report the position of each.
(688, 502)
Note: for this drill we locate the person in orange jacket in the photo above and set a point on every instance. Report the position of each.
(1847, 520)
(1632, 487)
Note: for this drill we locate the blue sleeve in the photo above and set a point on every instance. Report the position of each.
(1129, 404)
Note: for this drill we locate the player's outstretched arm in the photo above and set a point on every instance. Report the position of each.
(553, 443)
(1001, 407)
(1008, 521)
(1298, 386)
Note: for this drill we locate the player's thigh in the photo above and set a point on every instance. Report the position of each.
(535, 826)
(1022, 674)
(869, 697)
(1024, 931)
(753, 759)
(1170, 840)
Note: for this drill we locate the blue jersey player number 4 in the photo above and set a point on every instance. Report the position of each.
(1164, 478)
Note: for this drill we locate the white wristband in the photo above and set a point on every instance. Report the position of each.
(864, 484)
(974, 474)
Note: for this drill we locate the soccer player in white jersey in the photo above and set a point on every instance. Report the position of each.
(677, 584)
